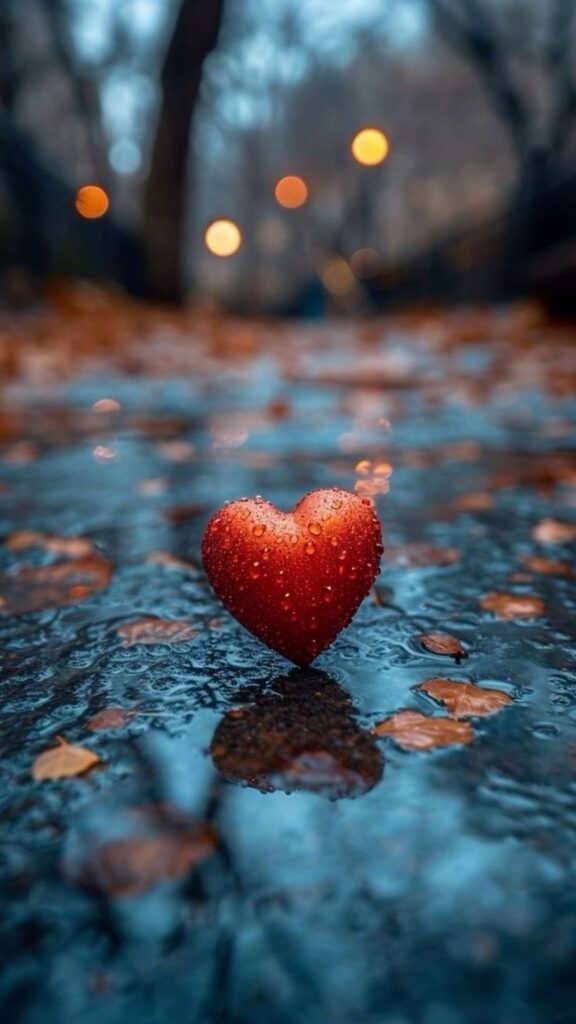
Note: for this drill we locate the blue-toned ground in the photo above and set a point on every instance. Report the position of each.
(396, 887)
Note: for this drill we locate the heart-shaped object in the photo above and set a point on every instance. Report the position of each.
(294, 579)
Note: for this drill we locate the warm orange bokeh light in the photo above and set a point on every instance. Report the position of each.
(291, 191)
(91, 202)
(369, 146)
(223, 237)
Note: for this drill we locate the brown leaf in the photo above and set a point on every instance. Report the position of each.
(63, 761)
(512, 606)
(554, 531)
(67, 547)
(151, 630)
(475, 501)
(442, 643)
(110, 718)
(463, 700)
(52, 586)
(182, 513)
(416, 554)
(169, 561)
(176, 450)
(168, 847)
(413, 731)
(538, 563)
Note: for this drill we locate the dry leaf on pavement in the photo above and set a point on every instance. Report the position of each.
(442, 643)
(151, 630)
(512, 606)
(554, 531)
(463, 700)
(110, 718)
(413, 731)
(63, 761)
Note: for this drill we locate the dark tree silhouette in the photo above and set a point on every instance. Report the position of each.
(496, 47)
(194, 36)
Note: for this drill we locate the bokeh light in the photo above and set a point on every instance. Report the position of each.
(91, 202)
(366, 263)
(369, 147)
(337, 277)
(291, 191)
(223, 237)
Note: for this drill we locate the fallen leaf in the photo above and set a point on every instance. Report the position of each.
(52, 586)
(463, 700)
(413, 731)
(168, 847)
(182, 513)
(416, 554)
(21, 453)
(68, 547)
(512, 606)
(151, 630)
(63, 761)
(442, 643)
(554, 531)
(537, 563)
(169, 561)
(110, 718)
(176, 451)
(476, 501)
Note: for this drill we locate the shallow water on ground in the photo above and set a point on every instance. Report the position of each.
(390, 885)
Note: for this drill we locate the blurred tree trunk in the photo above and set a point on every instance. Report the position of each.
(470, 28)
(194, 36)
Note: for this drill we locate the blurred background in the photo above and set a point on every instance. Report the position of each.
(128, 128)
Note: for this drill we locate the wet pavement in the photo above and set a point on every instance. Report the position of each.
(177, 879)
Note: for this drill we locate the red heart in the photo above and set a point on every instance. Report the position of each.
(294, 579)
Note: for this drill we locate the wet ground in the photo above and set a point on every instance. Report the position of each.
(176, 879)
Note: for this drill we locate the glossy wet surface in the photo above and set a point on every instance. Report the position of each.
(177, 880)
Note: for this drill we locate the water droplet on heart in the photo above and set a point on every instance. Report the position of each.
(336, 504)
(266, 554)
(280, 577)
(286, 603)
(315, 529)
(325, 516)
(333, 542)
(327, 594)
(309, 547)
(259, 530)
(342, 556)
(279, 539)
(255, 571)
(245, 513)
(313, 622)
(293, 538)
(352, 574)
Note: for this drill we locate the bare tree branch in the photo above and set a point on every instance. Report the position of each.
(472, 34)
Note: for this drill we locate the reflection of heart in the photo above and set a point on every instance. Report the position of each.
(294, 579)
